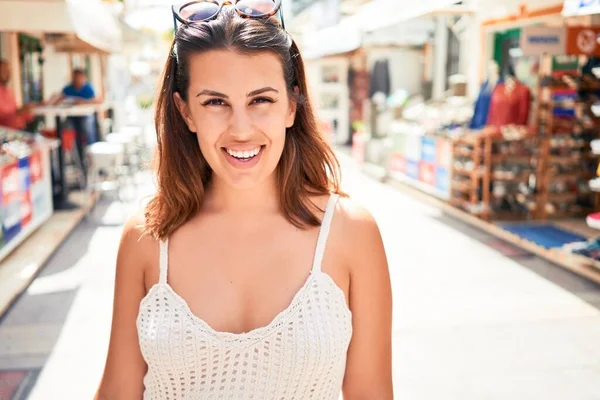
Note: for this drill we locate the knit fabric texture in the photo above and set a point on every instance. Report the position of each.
(301, 354)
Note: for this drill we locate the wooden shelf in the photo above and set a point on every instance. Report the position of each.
(518, 178)
(582, 175)
(464, 172)
(564, 160)
(463, 187)
(559, 197)
(507, 157)
(469, 153)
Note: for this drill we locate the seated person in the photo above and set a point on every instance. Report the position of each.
(79, 92)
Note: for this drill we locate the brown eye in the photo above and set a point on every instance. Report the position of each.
(214, 102)
(262, 100)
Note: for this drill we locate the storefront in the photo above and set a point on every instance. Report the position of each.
(523, 156)
(384, 48)
(42, 48)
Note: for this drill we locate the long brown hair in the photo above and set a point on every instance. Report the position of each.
(307, 166)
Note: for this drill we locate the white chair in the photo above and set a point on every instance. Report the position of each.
(105, 172)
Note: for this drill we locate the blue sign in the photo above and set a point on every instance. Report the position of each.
(412, 169)
(428, 150)
(581, 7)
(442, 179)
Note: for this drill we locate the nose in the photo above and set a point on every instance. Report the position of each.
(240, 124)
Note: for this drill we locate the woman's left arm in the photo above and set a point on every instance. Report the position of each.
(369, 365)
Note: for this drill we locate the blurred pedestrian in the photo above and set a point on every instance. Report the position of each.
(10, 115)
(80, 92)
(215, 295)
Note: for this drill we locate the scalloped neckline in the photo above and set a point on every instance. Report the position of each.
(258, 333)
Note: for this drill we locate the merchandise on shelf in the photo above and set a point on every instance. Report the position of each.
(25, 186)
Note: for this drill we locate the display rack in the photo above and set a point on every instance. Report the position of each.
(566, 126)
(470, 173)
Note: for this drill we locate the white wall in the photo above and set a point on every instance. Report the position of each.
(406, 67)
(57, 73)
(96, 76)
(482, 51)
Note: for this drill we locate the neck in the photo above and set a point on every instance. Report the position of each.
(222, 197)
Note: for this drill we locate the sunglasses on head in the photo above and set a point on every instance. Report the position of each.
(193, 12)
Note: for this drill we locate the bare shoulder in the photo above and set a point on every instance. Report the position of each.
(137, 249)
(358, 231)
(356, 221)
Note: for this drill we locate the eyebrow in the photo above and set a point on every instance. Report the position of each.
(207, 92)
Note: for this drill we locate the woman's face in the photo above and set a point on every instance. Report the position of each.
(239, 108)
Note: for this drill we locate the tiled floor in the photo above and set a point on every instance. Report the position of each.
(474, 318)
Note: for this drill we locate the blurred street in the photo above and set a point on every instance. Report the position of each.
(474, 318)
(481, 117)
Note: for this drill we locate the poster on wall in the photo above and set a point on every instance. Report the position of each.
(11, 200)
(428, 149)
(582, 40)
(427, 173)
(536, 41)
(25, 192)
(39, 186)
(397, 163)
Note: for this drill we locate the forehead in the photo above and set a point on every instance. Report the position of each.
(230, 72)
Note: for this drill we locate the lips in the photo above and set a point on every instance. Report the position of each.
(243, 154)
(244, 158)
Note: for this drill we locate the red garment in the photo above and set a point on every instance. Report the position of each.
(8, 110)
(509, 107)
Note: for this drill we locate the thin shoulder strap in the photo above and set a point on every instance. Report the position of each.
(324, 232)
(164, 260)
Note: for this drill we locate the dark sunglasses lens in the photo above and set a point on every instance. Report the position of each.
(199, 11)
(255, 7)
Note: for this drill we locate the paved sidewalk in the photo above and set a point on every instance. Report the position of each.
(473, 318)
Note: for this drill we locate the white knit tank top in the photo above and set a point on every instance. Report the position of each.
(301, 354)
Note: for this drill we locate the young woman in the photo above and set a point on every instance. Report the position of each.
(250, 275)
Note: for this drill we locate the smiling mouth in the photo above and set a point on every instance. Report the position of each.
(244, 155)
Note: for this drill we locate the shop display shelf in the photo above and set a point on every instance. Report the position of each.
(464, 187)
(462, 152)
(564, 160)
(559, 197)
(582, 175)
(498, 158)
(517, 178)
(466, 172)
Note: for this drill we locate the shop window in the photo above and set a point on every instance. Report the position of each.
(31, 60)
(453, 64)
(505, 44)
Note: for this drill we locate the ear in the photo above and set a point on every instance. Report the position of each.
(291, 116)
(184, 110)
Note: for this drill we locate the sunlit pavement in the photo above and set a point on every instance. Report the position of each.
(473, 318)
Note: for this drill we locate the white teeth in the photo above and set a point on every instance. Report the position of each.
(244, 153)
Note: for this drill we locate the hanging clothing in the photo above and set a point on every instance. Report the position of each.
(380, 78)
(509, 107)
(482, 106)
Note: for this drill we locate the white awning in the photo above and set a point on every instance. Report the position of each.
(338, 39)
(379, 14)
(572, 8)
(90, 21)
(381, 23)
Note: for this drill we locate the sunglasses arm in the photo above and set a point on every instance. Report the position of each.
(281, 16)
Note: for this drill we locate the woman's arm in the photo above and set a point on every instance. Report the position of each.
(125, 367)
(369, 365)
